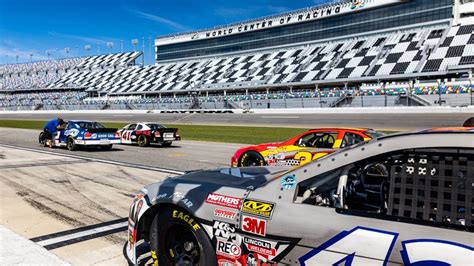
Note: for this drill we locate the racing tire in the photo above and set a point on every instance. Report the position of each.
(167, 144)
(176, 238)
(71, 145)
(251, 158)
(143, 141)
(42, 140)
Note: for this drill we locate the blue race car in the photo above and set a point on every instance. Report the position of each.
(84, 133)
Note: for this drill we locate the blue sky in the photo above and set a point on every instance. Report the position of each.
(35, 26)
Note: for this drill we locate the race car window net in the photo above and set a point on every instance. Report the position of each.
(155, 126)
(433, 186)
(90, 125)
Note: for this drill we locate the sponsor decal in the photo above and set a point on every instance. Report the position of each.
(357, 4)
(228, 249)
(259, 246)
(227, 214)
(226, 232)
(288, 182)
(258, 208)
(187, 219)
(222, 200)
(251, 260)
(254, 225)
(226, 262)
(177, 196)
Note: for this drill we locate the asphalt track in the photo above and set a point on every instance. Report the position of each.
(405, 121)
(182, 156)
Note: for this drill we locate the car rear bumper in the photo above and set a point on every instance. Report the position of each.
(97, 142)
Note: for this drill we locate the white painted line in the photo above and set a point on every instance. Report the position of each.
(151, 168)
(81, 234)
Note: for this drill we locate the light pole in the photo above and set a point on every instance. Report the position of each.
(135, 43)
(151, 50)
(87, 47)
(67, 50)
(48, 53)
(110, 45)
(143, 51)
(17, 57)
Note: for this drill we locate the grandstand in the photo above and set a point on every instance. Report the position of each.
(373, 53)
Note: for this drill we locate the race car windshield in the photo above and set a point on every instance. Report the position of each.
(90, 125)
(155, 126)
(374, 134)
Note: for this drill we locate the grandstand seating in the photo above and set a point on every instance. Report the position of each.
(374, 56)
(430, 50)
(40, 75)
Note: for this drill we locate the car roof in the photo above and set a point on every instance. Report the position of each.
(340, 129)
(79, 121)
(444, 130)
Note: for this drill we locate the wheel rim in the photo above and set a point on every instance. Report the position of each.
(69, 144)
(181, 246)
(251, 161)
(141, 141)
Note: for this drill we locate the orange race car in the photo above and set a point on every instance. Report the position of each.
(308, 146)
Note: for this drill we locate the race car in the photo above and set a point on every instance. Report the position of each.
(398, 199)
(308, 146)
(146, 133)
(79, 133)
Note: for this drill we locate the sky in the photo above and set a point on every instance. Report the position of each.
(42, 29)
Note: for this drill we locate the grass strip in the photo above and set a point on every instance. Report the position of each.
(228, 134)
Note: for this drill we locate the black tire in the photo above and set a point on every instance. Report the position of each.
(143, 141)
(166, 143)
(170, 233)
(251, 158)
(71, 145)
(106, 147)
(42, 139)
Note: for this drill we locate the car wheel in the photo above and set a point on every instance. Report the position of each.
(42, 140)
(166, 143)
(251, 158)
(71, 145)
(143, 141)
(176, 238)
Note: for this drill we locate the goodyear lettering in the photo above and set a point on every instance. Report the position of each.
(259, 208)
(155, 258)
(186, 218)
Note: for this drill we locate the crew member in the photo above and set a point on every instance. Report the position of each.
(51, 128)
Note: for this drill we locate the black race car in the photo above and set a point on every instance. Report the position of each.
(146, 133)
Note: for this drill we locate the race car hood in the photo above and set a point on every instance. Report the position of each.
(245, 178)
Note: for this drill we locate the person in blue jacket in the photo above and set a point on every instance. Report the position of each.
(51, 128)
